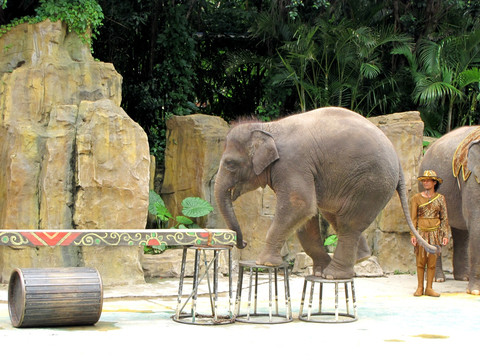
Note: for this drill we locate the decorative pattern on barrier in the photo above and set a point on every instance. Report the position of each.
(163, 238)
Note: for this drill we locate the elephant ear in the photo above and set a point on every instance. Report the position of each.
(473, 159)
(264, 150)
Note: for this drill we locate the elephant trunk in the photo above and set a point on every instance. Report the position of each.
(223, 196)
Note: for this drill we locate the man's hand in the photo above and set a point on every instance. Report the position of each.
(413, 239)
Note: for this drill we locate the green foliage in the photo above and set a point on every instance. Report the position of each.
(331, 240)
(339, 65)
(81, 16)
(196, 207)
(152, 44)
(193, 207)
(425, 145)
(294, 5)
(447, 78)
(6, 28)
(84, 17)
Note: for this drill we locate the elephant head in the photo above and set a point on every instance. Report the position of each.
(249, 152)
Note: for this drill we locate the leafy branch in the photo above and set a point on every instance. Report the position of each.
(84, 17)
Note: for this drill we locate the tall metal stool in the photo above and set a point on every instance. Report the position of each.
(329, 316)
(274, 315)
(215, 315)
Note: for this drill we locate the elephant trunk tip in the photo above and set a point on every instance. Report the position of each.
(432, 249)
(240, 243)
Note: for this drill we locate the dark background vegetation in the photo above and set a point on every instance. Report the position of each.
(272, 58)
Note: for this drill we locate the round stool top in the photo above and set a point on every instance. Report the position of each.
(210, 247)
(323, 280)
(253, 264)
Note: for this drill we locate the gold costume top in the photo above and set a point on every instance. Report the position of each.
(430, 217)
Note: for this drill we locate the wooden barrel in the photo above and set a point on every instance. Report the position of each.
(55, 297)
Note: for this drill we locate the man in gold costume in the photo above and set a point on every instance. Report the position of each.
(429, 215)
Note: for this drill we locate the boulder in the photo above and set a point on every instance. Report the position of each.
(192, 155)
(70, 157)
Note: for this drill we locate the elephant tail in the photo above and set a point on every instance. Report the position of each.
(402, 194)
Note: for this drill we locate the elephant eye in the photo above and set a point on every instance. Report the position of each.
(231, 164)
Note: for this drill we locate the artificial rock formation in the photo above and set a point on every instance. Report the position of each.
(192, 155)
(70, 157)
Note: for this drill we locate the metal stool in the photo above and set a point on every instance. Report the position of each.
(273, 316)
(214, 317)
(328, 316)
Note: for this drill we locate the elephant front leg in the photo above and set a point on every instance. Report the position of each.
(271, 253)
(292, 210)
(311, 241)
(276, 236)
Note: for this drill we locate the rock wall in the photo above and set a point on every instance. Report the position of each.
(192, 154)
(70, 157)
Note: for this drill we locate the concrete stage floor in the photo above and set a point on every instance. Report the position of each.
(136, 322)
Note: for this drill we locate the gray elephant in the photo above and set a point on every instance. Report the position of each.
(455, 157)
(329, 159)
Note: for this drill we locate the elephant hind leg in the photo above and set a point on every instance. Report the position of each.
(311, 241)
(363, 250)
(341, 266)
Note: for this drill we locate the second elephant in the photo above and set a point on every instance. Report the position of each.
(456, 159)
(330, 159)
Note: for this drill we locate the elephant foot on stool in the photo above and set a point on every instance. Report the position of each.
(269, 259)
(337, 271)
(320, 263)
(318, 270)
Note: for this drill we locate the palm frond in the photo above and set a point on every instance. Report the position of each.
(369, 70)
(429, 91)
(469, 77)
(428, 55)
